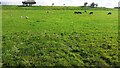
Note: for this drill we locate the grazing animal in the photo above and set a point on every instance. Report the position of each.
(85, 11)
(26, 17)
(61, 34)
(21, 16)
(109, 13)
(47, 12)
(91, 13)
(77, 12)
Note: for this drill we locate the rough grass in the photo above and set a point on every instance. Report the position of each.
(59, 37)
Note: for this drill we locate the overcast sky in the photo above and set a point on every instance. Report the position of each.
(101, 3)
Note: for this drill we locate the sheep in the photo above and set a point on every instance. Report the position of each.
(21, 16)
(47, 12)
(25, 17)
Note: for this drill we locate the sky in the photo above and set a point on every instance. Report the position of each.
(101, 3)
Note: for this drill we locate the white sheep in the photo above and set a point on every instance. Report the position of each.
(21, 16)
(26, 17)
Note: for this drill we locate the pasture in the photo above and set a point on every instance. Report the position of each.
(55, 36)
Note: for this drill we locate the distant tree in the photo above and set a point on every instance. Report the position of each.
(64, 4)
(119, 4)
(0, 2)
(96, 5)
(53, 4)
(92, 5)
(85, 4)
(28, 2)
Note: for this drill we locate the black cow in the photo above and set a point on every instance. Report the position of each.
(85, 11)
(77, 12)
(109, 13)
(91, 13)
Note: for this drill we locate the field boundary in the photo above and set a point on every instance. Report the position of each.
(118, 28)
(13, 7)
(0, 36)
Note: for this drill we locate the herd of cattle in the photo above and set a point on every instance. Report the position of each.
(91, 13)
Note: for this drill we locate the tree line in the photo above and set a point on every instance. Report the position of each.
(30, 3)
(92, 5)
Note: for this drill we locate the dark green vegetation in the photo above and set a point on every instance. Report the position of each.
(59, 37)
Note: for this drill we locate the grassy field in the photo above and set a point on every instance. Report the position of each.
(59, 37)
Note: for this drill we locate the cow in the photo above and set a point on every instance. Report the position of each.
(77, 12)
(109, 13)
(91, 13)
(85, 11)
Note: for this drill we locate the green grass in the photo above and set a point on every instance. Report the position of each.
(60, 37)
